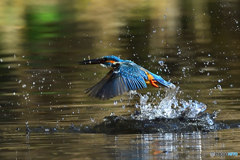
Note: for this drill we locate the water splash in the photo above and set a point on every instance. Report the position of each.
(167, 107)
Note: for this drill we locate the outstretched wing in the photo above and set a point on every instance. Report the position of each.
(121, 79)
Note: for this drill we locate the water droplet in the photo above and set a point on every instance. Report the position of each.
(47, 129)
(209, 120)
(92, 119)
(214, 102)
(219, 87)
(161, 63)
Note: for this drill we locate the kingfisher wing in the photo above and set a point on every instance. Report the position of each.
(121, 79)
(133, 76)
(110, 86)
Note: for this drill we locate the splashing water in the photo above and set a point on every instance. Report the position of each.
(168, 107)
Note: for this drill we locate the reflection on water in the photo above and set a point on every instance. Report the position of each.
(41, 83)
(98, 146)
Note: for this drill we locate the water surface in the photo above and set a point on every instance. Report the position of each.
(42, 84)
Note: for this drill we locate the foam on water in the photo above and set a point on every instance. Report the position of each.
(168, 106)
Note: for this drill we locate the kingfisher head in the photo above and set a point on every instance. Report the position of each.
(106, 61)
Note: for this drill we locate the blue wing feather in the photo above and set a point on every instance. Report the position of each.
(125, 77)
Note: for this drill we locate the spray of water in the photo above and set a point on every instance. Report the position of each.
(168, 106)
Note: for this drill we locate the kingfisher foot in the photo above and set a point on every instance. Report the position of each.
(153, 82)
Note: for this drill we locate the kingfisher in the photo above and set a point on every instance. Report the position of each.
(124, 76)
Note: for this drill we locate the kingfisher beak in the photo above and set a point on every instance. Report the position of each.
(91, 61)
